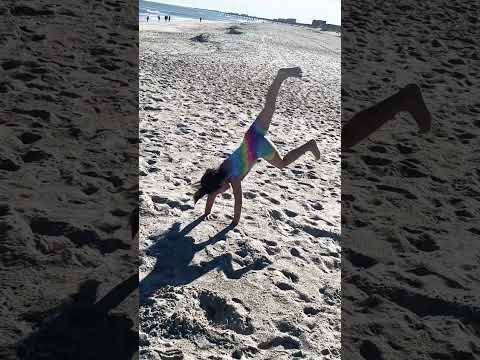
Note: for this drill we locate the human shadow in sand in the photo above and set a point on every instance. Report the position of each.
(174, 251)
(81, 328)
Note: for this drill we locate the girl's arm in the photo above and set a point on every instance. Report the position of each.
(237, 194)
(209, 205)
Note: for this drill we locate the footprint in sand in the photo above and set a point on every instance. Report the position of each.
(317, 206)
(288, 327)
(171, 203)
(8, 165)
(287, 342)
(29, 138)
(35, 156)
(275, 214)
(271, 248)
(170, 354)
(249, 195)
(219, 311)
(284, 286)
(270, 243)
(90, 189)
(290, 213)
(295, 252)
(271, 199)
(290, 275)
(311, 311)
(423, 243)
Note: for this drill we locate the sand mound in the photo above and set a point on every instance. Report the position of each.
(234, 30)
(201, 38)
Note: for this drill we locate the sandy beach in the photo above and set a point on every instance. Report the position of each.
(270, 288)
(65, 195)
(411, 202)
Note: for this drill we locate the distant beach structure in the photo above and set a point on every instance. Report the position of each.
(319, 23)
(332, 27)
(286, 21)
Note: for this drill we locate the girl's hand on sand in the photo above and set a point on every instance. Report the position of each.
(290, 72)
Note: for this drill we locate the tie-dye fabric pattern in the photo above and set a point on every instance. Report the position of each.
(253, 147)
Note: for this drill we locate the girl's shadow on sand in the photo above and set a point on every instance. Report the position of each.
(174, 251)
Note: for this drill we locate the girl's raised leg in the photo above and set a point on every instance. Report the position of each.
(264, 118)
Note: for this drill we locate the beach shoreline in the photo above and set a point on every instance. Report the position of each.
(182, 25)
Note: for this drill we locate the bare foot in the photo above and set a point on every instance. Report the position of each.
(290, 72)
(314, 149)
(418, 109)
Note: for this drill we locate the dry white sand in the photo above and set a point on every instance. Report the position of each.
(271, 287)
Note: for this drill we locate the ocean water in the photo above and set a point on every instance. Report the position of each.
(153, 9)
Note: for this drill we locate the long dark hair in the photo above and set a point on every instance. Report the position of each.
(210, 182)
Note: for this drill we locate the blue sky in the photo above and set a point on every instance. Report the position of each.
(302, 10)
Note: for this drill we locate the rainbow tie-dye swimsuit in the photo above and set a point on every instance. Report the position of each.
(254, 146)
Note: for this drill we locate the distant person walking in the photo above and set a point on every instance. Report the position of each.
(200, 19)
(168, 18)
(165, 18)
(158, 16)
(255, 145)
(147, 18)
